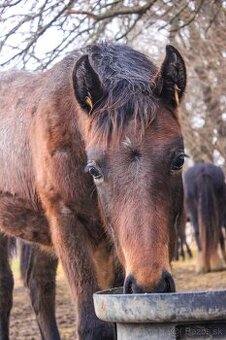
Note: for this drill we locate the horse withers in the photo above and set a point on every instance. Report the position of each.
(91, 161)
(204, 185)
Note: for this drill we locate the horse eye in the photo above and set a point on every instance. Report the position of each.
(178, 162)
(94, 171)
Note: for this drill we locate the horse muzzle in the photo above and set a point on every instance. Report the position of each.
(164, 285)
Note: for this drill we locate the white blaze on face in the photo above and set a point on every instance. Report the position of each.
(127, 142)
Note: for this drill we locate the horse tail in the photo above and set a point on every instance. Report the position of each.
(208, 218)
(25, 258)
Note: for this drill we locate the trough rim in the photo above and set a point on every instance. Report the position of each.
(179, 307)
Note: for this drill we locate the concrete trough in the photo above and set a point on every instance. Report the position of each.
(171, 316)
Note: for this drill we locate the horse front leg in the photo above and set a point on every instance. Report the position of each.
(74, 249)
(182, 248)
(6, 288)
(39, 274)
(188, 249)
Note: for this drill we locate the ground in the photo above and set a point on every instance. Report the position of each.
(23, 324)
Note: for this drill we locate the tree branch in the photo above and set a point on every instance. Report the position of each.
(125, 10)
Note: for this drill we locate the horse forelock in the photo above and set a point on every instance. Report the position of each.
(127, 77)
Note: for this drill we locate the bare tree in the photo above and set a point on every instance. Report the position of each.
(26, 25)
(203, 45)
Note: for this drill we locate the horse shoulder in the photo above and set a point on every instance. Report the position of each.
(57, 148)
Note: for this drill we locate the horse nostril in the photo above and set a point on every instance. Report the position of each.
(170, 284)
(131, 287)
(166, 284)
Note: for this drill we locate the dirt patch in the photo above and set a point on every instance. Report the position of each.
(187, 279)
(23, 323)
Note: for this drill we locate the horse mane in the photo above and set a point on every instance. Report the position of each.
(127, 78)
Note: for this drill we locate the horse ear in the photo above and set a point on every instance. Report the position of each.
(171, 79)
(87, 85)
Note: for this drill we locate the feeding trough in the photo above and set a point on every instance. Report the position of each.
(183, 315)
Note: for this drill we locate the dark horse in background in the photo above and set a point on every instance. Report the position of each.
(204, 186)
(103, 118)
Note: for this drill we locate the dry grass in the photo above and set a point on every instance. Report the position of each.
(187, 279)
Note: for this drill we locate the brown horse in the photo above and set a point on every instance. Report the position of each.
(109, 110)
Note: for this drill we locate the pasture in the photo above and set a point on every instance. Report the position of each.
(23, 323)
